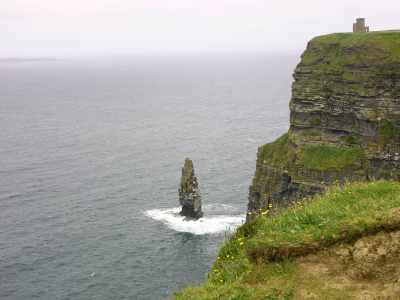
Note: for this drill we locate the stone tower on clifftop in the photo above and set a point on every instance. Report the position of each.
(359, 26)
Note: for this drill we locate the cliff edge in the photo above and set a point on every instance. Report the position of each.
(344, 120)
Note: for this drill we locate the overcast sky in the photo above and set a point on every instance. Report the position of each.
(109, 27)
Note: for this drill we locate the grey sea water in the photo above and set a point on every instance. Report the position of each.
(90, 158)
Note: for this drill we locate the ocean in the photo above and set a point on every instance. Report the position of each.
(91, 152)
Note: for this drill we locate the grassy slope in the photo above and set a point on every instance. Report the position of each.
(257, 261)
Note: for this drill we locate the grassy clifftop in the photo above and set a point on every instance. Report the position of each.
(353, 49)
(267, 257)
(354, 60)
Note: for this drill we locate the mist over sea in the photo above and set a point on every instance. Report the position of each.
(90, 159)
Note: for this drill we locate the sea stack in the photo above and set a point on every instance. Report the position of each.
(189, 194)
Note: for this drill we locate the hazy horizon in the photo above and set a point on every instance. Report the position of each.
(109, 27)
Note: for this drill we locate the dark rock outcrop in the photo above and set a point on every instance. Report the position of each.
(344, 120)
(189, 194)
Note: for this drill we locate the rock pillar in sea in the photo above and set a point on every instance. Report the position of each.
(189, 193)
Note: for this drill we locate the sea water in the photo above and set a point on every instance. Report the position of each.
(91, 152)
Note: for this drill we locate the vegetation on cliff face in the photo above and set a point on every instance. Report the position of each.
(283, 154)
(388, 132)
(321, 248)
(323, 157)
(278, 154)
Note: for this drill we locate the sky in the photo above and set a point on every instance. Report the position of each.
(31, 28)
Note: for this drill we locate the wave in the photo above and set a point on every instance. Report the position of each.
(206, 225)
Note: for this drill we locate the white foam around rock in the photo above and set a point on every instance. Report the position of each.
(206, 225)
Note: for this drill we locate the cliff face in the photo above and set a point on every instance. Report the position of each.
(344, 120)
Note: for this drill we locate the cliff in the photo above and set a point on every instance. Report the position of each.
(337, 238)
(344, 120)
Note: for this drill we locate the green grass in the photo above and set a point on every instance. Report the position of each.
(257, 262)
(341, 213)
(278, 153)
(322, 157)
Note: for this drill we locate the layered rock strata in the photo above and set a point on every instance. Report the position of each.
(344, 120)
(189, 193)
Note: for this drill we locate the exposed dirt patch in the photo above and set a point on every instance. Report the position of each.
(368, 268)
